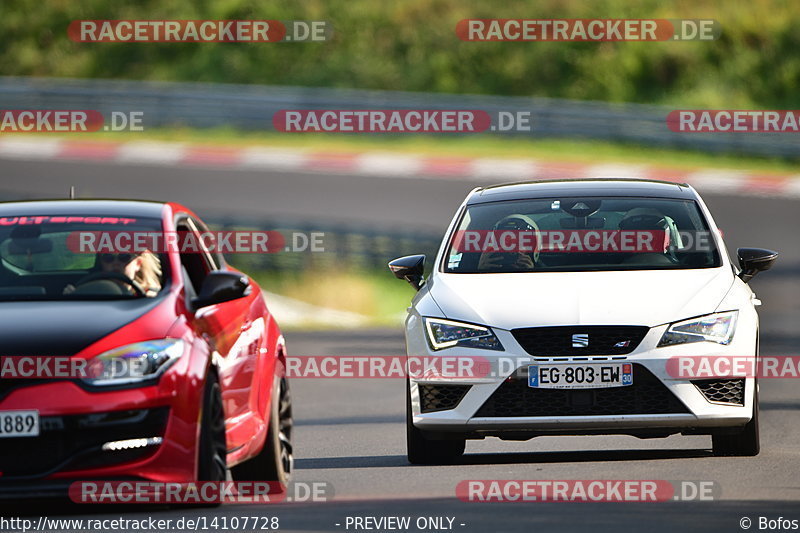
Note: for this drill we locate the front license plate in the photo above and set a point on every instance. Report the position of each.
(593, 376)
(19, 424)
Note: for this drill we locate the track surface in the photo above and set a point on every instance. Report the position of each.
(350, 433)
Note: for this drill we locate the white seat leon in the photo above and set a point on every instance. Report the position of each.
(582, 307)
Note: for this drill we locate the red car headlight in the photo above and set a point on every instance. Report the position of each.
(133, 364)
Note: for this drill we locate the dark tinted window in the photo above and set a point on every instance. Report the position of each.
(581, 234)
(77, 256)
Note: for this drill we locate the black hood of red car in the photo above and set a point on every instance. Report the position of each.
(63, 328)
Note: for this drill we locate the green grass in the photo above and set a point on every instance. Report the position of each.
(377, 294)
(483, 145)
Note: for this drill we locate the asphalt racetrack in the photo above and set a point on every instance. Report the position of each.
(350, 432)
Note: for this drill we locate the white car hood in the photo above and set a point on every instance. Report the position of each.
(642, 297)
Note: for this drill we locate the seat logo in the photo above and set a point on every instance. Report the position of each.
(580, 340)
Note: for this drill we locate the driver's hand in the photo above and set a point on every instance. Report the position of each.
(524, 262)
(497, 260)
(491, 261)
(69, 289)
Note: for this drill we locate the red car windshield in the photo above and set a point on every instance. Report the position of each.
(77, 257)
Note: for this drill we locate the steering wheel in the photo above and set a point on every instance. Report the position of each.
(116, 276)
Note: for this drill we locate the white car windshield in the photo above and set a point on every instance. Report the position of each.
(581, 234)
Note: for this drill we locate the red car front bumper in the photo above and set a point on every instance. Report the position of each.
(75, 423)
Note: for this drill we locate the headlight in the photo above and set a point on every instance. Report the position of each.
(134, 363)
(718, 327)
(446, 333)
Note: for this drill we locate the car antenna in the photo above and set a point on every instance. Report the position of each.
(71, 192)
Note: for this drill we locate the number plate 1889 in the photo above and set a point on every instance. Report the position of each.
(19, 424)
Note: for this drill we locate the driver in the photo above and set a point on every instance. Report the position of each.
(514, 260)
(142, 268)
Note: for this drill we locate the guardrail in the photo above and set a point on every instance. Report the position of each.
(251, 107)
(345, 246)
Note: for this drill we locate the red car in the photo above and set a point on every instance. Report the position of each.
(209, 398)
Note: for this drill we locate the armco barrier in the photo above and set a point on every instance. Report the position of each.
(252, 107)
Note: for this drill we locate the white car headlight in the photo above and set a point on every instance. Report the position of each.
(717, 327)
(447, 333)
(133, 363)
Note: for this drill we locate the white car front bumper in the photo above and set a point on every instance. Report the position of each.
(694, 412)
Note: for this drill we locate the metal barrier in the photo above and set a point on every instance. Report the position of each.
(251, 107)
(345, 247)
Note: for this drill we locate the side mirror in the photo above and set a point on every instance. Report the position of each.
(221, 286)
(754, 260)
(409, 268)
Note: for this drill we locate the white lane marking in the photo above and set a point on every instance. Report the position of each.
(151, 152)
(290, 312)
(717, 181)
(506, 169)
(272, 158)
(388, 165)
(20, 148)
(615, 171)
(792, 186)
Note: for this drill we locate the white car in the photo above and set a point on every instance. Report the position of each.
(577, 331)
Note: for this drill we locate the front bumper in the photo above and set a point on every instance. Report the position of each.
(676, 405)
(75, 423)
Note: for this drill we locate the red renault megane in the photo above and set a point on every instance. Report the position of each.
(209, 399)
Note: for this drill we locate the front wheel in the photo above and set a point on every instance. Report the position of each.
(212, 458)
(275, 461)
(745, 443)
(424, 451)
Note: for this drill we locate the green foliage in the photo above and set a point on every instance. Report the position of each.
(411, 45)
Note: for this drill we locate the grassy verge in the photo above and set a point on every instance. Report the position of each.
(487, 145)
(377, 295)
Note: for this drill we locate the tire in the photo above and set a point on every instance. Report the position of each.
(275, 461)
(424, 451)
(212, 458)
(745, 443)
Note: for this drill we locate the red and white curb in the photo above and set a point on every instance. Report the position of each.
(385, 165)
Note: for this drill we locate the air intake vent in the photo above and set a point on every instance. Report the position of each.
(722, 390)
(648, 395)
(441, 397)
